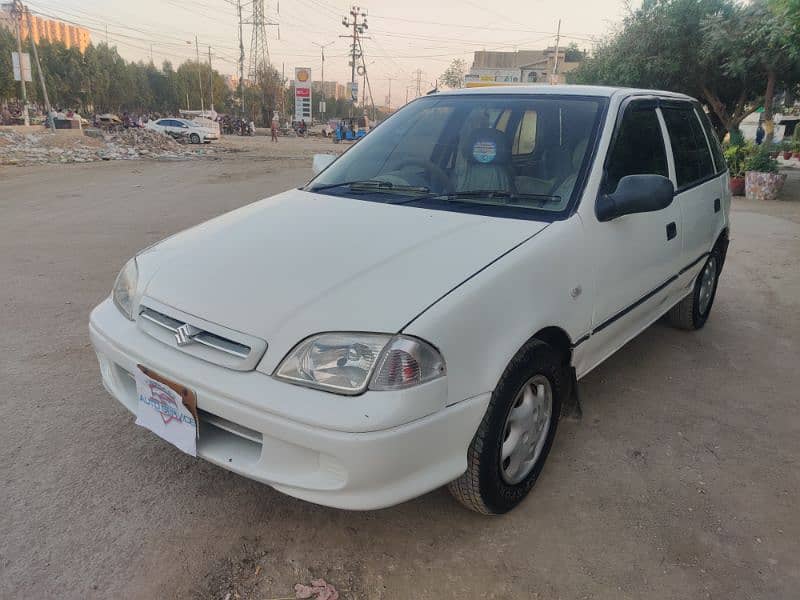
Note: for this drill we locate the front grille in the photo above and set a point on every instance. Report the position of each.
(205, 340)
(198, 335)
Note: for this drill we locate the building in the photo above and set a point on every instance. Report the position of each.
(522, 66)
(333, 90)
(45, 29)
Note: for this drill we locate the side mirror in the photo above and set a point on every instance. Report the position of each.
(635, 194)
(321, 162)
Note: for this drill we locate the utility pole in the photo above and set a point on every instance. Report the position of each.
(210, 78)
(106, 34)
(322, 90)
(16, 10)
(241, 59)
(418, 73)
(554, 79)
(151, 54)
(389, 100)
(355, 47)
(50, 121)
(199, 74)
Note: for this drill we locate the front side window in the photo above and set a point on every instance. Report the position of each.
(502, 155)
(638, 148)
(689, 147)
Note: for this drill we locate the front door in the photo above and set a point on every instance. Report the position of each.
(635, 256)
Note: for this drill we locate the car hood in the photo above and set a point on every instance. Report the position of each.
(301, 263)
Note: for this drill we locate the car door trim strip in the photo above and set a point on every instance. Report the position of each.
(640, 301)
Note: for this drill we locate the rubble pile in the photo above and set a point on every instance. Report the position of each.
(130, 144)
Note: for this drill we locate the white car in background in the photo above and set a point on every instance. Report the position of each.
(193, 132)
(421, 311)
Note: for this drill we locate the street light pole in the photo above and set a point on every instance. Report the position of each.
(322, 90)
(17, 11)
(210, 78)
(199, 75)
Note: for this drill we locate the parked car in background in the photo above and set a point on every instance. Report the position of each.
(421, 311)
(184, 128)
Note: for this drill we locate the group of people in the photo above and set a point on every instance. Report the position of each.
(231, 125)
(11, 113)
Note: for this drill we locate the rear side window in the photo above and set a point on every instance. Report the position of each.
(713, 141)
(525, 139)
(638, 148)
(689, 147)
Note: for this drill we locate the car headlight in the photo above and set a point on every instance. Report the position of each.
(125, 288)
(348, 363)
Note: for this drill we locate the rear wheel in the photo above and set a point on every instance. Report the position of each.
(692, 312)
(194, 138)
(511, 445)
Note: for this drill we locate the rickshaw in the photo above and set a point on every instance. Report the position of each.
(350, 129)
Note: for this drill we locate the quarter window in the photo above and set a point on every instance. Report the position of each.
(713, 140)
(638, 148)
(689, 147)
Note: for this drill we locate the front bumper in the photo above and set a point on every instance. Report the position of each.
(240, 429)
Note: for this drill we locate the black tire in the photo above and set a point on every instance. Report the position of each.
(482, 487)
(689, 313)
(194, 138)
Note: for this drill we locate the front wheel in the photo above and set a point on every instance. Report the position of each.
(511, 445)
(194, 138)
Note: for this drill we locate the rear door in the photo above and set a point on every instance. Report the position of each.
(698, 189)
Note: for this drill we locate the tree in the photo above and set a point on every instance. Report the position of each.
(664, 45)
(453, 77)
(572, 53)
(759, 44)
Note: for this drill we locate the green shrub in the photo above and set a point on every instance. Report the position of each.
(761, 162)
(736, 138)
(735, 157)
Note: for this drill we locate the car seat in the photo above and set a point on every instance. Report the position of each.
(487, 153)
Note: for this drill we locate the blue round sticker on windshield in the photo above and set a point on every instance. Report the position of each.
(485, 151)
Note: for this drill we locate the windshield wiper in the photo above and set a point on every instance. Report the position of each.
(490, 194)
(374, 185)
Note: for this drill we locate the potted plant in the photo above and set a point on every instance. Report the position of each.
(796, 148)
(762, 179)
(787, 149)
(735, 156)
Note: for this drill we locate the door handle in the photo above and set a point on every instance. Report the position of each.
(716, 205)
(672, 230)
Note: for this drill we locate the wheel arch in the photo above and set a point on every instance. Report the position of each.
(557, 338)
(722, 243)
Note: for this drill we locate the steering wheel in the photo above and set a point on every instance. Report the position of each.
(435, 174)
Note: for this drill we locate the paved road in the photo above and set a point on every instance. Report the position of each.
(681, 481)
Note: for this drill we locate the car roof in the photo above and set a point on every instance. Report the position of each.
(561, 90)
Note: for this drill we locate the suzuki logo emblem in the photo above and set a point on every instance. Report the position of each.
(185, 333)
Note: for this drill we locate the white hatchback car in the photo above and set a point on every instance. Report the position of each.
(194, 132)
(420, 312)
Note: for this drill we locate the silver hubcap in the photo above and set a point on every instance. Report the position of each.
(525, 429)
(707, 279)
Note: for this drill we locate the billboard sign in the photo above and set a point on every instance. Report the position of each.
(302, 94)
(26, 66)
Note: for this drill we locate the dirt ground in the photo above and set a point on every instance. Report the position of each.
(681, 480)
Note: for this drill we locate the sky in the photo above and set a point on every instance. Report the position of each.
(405, 35)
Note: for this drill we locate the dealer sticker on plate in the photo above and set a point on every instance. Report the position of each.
(167, 409)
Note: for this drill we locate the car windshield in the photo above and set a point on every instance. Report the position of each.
(504, 155)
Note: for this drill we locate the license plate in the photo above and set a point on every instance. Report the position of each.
(168, 409)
